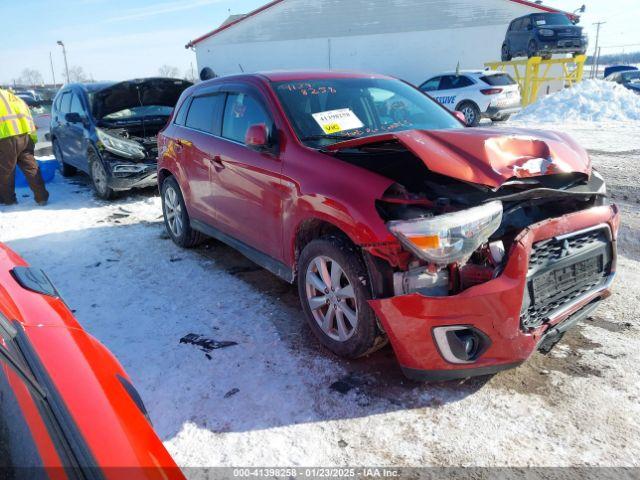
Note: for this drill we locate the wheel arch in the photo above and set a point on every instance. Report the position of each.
(468, 100)
(163, 174)
(311, 229)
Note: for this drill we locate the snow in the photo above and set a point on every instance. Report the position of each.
(269, 400)
(588, 101)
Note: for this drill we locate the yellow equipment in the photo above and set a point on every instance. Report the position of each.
(533, 72)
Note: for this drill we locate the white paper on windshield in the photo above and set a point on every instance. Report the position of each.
(334, 121)
(541, 22)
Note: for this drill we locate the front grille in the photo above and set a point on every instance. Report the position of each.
(563, 269)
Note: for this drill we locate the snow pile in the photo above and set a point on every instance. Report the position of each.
(591, 100)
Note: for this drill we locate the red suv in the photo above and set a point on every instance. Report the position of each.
(466, 248)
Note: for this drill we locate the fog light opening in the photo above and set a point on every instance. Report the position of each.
(460, 343)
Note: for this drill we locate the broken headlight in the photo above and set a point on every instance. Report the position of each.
(449, 238)
(120, 146)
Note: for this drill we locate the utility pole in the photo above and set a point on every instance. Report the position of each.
(598, 60)
(594, 71)
(53, 73)
(64, 54)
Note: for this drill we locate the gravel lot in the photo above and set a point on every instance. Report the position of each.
(278, 399)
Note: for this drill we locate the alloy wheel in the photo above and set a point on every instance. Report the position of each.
(469, 114)
(173, 211)
(331, 298)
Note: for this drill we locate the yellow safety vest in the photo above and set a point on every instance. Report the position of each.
(15, 117)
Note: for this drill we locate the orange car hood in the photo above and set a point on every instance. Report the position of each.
(487, 156)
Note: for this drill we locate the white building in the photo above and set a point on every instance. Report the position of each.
(410, 39)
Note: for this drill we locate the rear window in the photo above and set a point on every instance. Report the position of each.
(498, 80)
(65, 103)
(181, 116)
(205, 113)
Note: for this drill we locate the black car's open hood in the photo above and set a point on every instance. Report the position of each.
(136, 93)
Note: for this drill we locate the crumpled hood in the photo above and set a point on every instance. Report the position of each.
(486, 156)
(136, 93)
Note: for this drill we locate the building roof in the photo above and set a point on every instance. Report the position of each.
(235, 19)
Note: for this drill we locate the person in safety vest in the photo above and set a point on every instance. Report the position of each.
(17, 142)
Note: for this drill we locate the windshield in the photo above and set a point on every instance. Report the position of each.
(551, 19)
(327, 111)
(139, 112)
(630, 77)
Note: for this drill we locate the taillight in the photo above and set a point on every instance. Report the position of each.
(491, 91)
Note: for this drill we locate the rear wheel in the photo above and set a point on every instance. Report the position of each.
(99, 177)
(65, 169)
(471, 113)
(176, 218)
(332, 285)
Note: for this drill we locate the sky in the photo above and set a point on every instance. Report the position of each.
(121, 39)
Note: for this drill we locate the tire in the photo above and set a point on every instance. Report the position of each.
(506, 55)
(176, 218)
(99, 177)
(532, 49)
(343, 322)
(471, 113)
(65, 169)
(501, 119)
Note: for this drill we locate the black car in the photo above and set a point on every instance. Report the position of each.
(542, 35)
(109, 130)
(629, 79)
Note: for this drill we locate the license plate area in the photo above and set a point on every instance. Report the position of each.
(561, 270)
(553, 283)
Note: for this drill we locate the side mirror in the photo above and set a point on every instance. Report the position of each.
(460, 116)
(73, 117)
(529, 27)
(257, 137)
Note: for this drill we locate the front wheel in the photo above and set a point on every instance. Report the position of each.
(532, 49)
(99, 177)
(471, 113)
(333, 290)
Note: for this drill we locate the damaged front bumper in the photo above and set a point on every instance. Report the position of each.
(126, 175)
(495, 309)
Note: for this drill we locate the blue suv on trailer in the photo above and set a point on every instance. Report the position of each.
(109, 130)
(542, 35)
